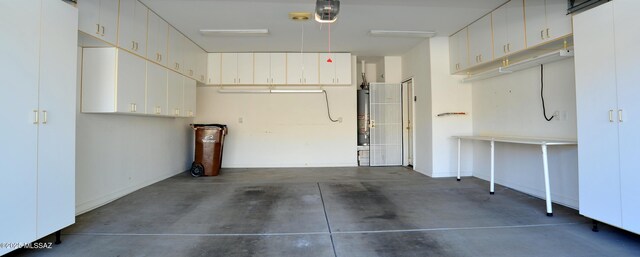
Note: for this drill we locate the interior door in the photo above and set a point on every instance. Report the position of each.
(627, 57)
(19, 99)
(386, 124)
(56, 135)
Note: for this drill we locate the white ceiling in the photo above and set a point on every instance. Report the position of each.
(348, 34)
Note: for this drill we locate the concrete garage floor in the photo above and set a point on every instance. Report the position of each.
(333, 212)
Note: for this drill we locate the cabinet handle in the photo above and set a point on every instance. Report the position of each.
(102, 31)
(133, 45)
(44, 114)
(542, 34)
(36, 117)
(160, 55)
(610, 115)
(504, 48)
(548, 33)
(509, 48)
(98, 30)
(619, 115)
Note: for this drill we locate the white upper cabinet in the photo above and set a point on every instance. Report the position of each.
(99, 18)
(458, 51)
(336, 72)
(270, 68)
(175, 94)
(508, 28)
(302, 68)
(176, 50)
(201, 69)
(213, 69)
(158, 34)
(156, 89)
(189, 100)
(546, 20)
(131, 83)
(237, 68)
(132, 27)
(480, 41)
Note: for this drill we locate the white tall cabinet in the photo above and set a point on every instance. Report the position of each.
(37, 159)
(608, 113)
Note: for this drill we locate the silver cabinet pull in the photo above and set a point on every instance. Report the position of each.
(620, 115)
(504, 48)
(610, 115)
(102, 31)
(98, 31)
(44, 119)
(542, 34)
(133, 45)
(36, 117)
(508, 47)
(548, 33)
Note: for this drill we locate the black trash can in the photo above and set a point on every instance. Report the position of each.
(209, 142)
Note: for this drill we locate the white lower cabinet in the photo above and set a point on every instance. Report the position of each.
(37, 160)
(608, 113)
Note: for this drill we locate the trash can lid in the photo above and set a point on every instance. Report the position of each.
(222, 126)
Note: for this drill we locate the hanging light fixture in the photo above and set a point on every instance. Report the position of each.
(327, 10)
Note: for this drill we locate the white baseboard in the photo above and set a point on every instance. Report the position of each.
(105, 199)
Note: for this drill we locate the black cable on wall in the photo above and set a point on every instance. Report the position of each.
(544, 109)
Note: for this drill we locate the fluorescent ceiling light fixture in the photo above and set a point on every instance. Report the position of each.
(402, 33)
(522, 65)
(234, 32)
(266, 91)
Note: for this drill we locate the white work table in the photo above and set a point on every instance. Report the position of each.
(542, 142)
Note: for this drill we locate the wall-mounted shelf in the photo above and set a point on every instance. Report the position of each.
(522, 65)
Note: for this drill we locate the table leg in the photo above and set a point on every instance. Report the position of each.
(547, 188)
(493, 167)
(459, 159)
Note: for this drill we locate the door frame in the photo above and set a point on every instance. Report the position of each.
(408, 140)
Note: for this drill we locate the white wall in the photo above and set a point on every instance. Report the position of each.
(119, 154)
(393, 69)
(416, 65)
(448, 95)
(284, 130)
(511, 105)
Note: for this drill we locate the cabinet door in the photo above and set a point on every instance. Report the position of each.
(558, 22)
(311, 69)
(453, 53)
(156, 89)
(109, 20)
(89, 17)
(57, 132)
(536, 20)
(201, 68)
(176, 47)
(343, 68)
(626, 45)
(327, 69)
(132, 26)
(500, 30)
(294, 68)
(245, 68)
(480, 41)
(229, 68)
(131, 83)
(463, 48)
(189, 100)
(175, 93)
(158, 36)
(262, 74)
(278, 68)
(19, 67)
(515, 27)
(190, 56)
(598, 160)
(214, 69)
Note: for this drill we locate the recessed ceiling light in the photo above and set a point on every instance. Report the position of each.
(299, 16)
(402, 33)
(234, 32)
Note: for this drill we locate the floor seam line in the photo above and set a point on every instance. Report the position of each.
(326, 217)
